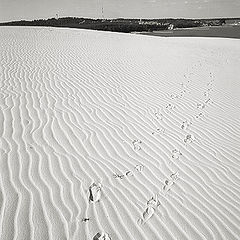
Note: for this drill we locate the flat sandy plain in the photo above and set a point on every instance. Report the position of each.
(153, 122)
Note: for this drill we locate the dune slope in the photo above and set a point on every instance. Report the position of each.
(107, 135)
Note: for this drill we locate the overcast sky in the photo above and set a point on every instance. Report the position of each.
(35, 9)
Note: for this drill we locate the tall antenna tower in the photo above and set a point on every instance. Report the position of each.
(100, 6)
(102, 11)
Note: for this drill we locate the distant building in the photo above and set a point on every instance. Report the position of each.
(232, 21)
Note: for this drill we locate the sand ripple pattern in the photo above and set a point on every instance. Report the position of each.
(152, 123)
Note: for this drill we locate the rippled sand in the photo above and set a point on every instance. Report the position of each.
(118, 136)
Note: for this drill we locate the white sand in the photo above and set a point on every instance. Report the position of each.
(72, 104)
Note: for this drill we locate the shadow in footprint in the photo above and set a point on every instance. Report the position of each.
(129, 173)
(102, 236)
(95, 192)
(117, 175)
(85, 220)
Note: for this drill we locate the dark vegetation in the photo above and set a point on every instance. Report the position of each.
(119, 24)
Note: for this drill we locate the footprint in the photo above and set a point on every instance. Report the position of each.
(154, 202)
(182, 93)
(176, 154)
(173, 96)
(199, 116)
(208, 101)
(85, 220)
(136, 141)
(170, 107)
(206, 94)
(210, 89)
(186, 124)
(183, 85)
(102, 236)
(200, 105)
(169, 182)
(174, 176)
(136, 145)
(189, 139)
(167, 185)
(95, 192)
(139, 168)
(159, 131)
(116, 175)
(158, 116)
(147, 214)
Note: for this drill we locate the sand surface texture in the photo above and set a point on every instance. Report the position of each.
(118, 136)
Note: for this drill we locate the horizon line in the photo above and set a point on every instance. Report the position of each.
(121, 18)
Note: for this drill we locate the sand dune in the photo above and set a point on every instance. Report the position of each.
(118, 136)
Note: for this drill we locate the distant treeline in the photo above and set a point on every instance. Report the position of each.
(119, 24)
(95, 24)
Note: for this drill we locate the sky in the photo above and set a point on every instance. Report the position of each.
(36, 9)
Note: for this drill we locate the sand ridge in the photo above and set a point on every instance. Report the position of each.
(119, 136)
